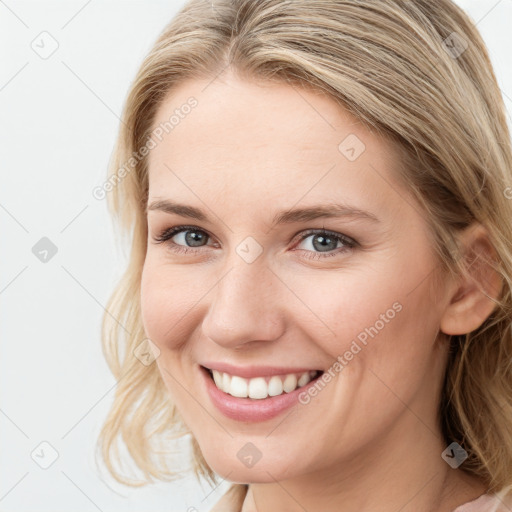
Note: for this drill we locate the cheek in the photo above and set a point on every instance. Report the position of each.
(167, 298)
(372, 318)
(382, 349)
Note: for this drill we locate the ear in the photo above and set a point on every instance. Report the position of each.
(470, 302)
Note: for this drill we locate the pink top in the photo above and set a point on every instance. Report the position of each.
(234, 500)
(485, 503)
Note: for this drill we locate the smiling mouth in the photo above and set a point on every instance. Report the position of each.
(261, 387)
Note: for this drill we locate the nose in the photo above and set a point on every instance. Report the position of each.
(245, 306)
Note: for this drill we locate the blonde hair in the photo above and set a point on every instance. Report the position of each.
(403, 69)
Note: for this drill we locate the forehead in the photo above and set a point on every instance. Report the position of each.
(259, 141)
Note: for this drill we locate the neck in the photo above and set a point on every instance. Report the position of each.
(410, 477)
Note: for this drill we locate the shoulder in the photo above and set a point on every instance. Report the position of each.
(232, 499)
(487, 503)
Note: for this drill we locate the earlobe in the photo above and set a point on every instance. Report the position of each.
(471, 301)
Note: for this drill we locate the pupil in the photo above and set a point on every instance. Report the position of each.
(192, 237)
(324, 241)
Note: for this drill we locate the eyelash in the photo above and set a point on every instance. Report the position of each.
(349, 243)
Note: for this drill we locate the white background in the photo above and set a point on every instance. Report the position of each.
(59, 120)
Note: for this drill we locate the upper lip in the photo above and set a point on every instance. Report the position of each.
(252, 371)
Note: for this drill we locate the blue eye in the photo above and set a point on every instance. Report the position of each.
(323, 243)
(196, 239)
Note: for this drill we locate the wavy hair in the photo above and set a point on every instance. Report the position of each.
(415, 71)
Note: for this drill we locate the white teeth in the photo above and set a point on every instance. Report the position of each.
(290, 383)
(226, 381)
(303, 379)
(259, 388)
(217, 377)
(275, 386)
(238, 387)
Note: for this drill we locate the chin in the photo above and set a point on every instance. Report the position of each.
(262, 471)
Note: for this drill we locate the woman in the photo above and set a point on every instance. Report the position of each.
(318, 195)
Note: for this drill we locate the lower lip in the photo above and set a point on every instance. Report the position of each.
(249, 409)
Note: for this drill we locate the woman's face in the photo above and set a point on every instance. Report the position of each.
(256, 290)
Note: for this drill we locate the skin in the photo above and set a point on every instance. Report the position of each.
(251, 149)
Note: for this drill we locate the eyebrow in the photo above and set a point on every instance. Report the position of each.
(329, 210)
